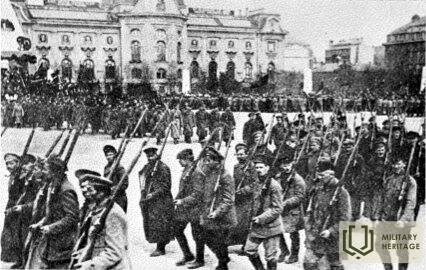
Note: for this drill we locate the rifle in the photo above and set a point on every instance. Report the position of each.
(52, 147)
(27, 145)
(65, 143)
(373, 132)
(83, 252)
(222, 167)
(340, 185)
(339, 150)
(3, 131)
(72, 145)
(220, 138)
(406, 182)
(270, 130)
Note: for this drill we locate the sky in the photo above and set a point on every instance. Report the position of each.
(315, 22)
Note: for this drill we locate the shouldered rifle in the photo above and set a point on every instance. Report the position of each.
(339, 150)
(27, 145)
(269, 132)
(340, 185)
(405, 182)
(65, 143)
(373, 132)
(222, 168)
(220, 137)
(83, 250)
(52, 147)
(3, 131)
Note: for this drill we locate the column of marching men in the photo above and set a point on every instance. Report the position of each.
(297, 174)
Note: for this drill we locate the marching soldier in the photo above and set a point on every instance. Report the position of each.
(187, 211)
(176, 120)
(111, 154)
(278, 131)
(88, 203)
(202, 122)
(111, 246)
(391, 208)
(10, 244)
(262, 148)
(228, 122)
(246, 182)
(54, 234)
(321, 242)
(219, 219)
(294, 191)
(156, 202)
(188, 123)
(307, 163)
(266, 224)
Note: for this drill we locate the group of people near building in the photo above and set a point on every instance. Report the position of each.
(297, 174)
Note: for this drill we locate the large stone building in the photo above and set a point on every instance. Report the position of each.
(151, 41)
(405, 46)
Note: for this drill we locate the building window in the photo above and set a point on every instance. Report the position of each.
(42, 38)
(248, 45)
(65, 39)
(271, 46)
(230, 70)
(161, 51)
(109, 40)
(161, 73)
(88, 40)
(66, 66)
(136, 73)
(87, 71)
(195, 69)
(136, 51)
(212, 70)
(179, 32)
(248, 68)
(110, 68)
(135, 32)
(194, 43)
(161, 34)
(179, 74)
(178, 52)
(213, 43)
(231, 44)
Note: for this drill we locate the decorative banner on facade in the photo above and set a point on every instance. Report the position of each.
(307, 80)
(186, 81)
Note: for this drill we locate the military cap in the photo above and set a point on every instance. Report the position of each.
(357, 128)
(11, 156)
(278, 115)
(315, 140)
(380, 141)
(285, 158)
(251, 114)
(109, 148)
(96, 181)
(372, 118)
(411, 135)
(302, 134)
(348, 141)
(56, 163)
(396, 128)
(82, 172)
(28, 159)
(257, 133)
(257, 112)
(386, 122)
(186, 154)
(265, 159)
(213, 153)
(150, 151)
(396, 122)
(341, 118)
(301, 115)
(324, 164)
(240, 145)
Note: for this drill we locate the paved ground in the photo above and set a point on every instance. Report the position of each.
(88, 154)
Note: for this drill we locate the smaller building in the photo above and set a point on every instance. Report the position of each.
(298, 56)
(354, 52)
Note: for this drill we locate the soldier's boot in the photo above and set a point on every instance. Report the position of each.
(257, 263)
(295, 246)
(271, 265)
(284, 249)
(187, 254)
(388, 266)
(339, 267)
(402, 266)
(223, 264)
(310, 266)
(199, 260)
(160, 250)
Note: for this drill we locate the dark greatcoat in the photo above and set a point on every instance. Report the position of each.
(189, 210)
(202, 122)
(116, 177)
(157, 212)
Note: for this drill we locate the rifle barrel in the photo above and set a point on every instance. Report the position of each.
(52, 147)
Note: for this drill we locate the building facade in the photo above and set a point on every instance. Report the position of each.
(151, 41)
(405, 46)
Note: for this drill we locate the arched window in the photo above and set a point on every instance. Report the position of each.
(87, 70)
(135, 32)
(66, 66)
(179, 52)
(161, 51)
(44, 63)
(110, 68)
(230, 70)
(195, 69)
(136, 51)
(248, 45)
(271, 46)
(248, 68)
(271, 70)
(212, 69)
(161, 73)
(136, 73)
(213, 43)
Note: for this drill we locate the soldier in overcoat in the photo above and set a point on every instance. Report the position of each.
(156, 202)
(202, 122)
(188, 123)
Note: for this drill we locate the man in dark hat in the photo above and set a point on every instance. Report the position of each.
(219, 218)
(246, 182)
(110, 155)
(389, 206)
(156, 201)
(262, 146)
(188, 123)
(87, 204)
(294, 191)
(319, 242)
(58, 218)
(278, 132)
(202, 119)
(110, 250)
(10, 244)
(266, 225)
(251, 126)
(187, 211)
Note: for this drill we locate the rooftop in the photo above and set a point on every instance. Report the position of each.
(417, 24)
